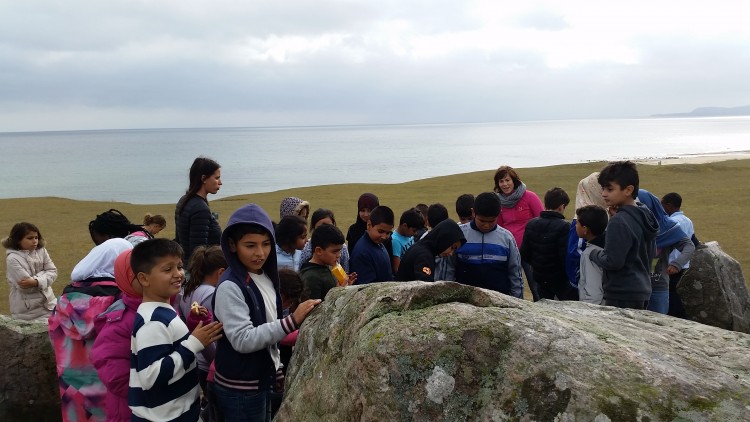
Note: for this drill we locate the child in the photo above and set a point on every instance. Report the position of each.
(419, 261)
(403, 237)
(589, 192)
(489, 259)
(294, 206)
(152, 225)
(465, 208)
(444, 265)
(111, 352)
(30, 273)
(629, 246)
(247, 301)
(73, 328)
(327, 242)
(291, 236)
(672, 203)
(544, 246)
(423, 209)
(670, 238)
(109, 225)
(370, 258)
(319, 217)
(163, 371)
(365, 204)
(590, 226)
(206, 267)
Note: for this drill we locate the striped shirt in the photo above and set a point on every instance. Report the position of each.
(163, 372)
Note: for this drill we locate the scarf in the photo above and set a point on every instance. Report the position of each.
(589, 192)
(511, 200)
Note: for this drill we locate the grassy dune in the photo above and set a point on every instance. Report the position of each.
(715, 198)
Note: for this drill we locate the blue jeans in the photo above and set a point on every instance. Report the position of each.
(659, 301)
(243, 406)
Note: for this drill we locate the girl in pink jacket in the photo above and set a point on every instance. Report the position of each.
(111, 352)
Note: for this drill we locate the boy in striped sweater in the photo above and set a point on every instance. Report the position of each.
(163, 372)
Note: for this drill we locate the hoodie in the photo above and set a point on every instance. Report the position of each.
(628, 250)
(418, 263)
(247, 357)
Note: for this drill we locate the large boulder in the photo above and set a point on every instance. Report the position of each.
(713, 290)
(445, 351)
(28, 378)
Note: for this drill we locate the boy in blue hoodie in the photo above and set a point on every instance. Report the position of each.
(629, 245)
(248, 303)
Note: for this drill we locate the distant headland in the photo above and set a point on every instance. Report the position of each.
(711, 112)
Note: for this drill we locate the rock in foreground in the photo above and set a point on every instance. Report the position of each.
(713, 290)
(443, 351)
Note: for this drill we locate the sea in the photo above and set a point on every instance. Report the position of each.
(150, 166)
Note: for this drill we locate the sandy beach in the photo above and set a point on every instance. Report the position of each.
(713, 157)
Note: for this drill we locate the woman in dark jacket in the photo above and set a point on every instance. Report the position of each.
(195, 225)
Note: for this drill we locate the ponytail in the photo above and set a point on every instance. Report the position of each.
(204, 261)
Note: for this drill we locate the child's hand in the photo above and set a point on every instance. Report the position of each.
(304, 309)
(351, 279)
(199, 310)
(27, 283)
(208, 334)
(672, 270)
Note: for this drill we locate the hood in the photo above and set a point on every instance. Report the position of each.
(440, 238)
(292, 206)
(670, 231)
(124, 274)
(249, 214)
(100, 262)
(589, 192)
(644, 217)
(21, 253)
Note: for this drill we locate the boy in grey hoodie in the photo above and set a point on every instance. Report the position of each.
(629, 246)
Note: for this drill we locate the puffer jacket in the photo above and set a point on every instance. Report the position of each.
(34, 302)
(195, 225)
(544, 246)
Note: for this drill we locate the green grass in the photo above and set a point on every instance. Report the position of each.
(715, 197)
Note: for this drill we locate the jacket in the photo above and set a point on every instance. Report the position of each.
(628, 250)
(195, 225)
(544, 246)
(33, 302)
(247, 355)
(318, 279)
(111, 355)
(418, 263)
(590, 288)
(489, 260)
(514, 219)
(371, 261)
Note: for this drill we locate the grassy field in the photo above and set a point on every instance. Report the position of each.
(714, 195)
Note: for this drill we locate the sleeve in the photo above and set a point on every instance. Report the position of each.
(573, 254)
(158, 360)
(48, 275)
(200, 223)
(17, 270)
(344, 259)
(239, 329)
(616, 245)
(112, 365)
(420, 264)
(590, 283)
(525, 249)
(313, 286)
(535, 204)
(364, 267)
(192, 320)
(562, 246)
(514, 269)
(686, 248)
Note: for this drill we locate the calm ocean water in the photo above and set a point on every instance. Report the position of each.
(150, 166)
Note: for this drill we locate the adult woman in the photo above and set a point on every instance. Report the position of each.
(518, 206)
(195, 225)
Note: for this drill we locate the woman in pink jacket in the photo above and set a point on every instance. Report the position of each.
(518, 206)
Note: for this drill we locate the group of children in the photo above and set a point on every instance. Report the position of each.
(135, 340)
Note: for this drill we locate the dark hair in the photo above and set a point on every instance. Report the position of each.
(204, 261)
(145, 254)
(487, 204)
(292, 287)
(555, 197)
(237, 231)
(289, 229)
(624, 173)
(436, 213)
(157, 219)
(18, 232)
(325, 236)
(201, 167)
(111, 224)
(673, 198)
(320, 214)
(412, 218)
(594, 217)
(464, 204)
(422, 208)
(381, 214)
(506, 171)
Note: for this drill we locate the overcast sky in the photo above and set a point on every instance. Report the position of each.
(77, 64)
